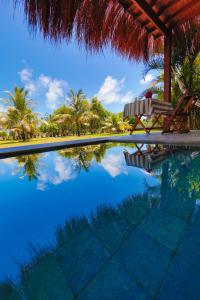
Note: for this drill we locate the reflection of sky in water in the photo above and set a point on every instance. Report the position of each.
(31, 210)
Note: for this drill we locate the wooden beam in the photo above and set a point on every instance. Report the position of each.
(150, 14)
(187, 14)
(129, 8)
(167, 67)
(182, 11)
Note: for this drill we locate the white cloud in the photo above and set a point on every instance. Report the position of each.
(55, 92)
(44, 80)
(148, 78)
(52, 89)
(111, 91)
(31, 88)
(113, 164)
(3, 109)
(26, 74)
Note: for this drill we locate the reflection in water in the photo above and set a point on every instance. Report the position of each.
(93, 249)
(29, 164)
(83, 156)
(24, 166)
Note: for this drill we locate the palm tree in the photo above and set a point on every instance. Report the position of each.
(97, 115)
(185, 63)
(20, 118)
(115, 124)
(63, 118)
(94, 121)
(79, 108)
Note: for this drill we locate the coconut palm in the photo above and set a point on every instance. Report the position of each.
(115, 124)
(63, 118)
(97, 115)
(185, 63)
(79, 108)
(20, 119)
(94, 121)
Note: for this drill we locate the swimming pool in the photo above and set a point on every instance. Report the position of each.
(101, 222)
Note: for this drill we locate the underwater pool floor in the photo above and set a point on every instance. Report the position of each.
(145, 247)
(133, 252)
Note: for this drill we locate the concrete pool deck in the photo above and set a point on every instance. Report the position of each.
(191, 139)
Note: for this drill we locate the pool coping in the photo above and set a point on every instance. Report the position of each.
(187, 140)
(46, 147)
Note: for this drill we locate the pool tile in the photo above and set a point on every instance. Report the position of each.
(134, 209)
(8, 292)
(110, 230)
(190, 245)
(81, 259)
(70, 230)
(113, 283)
(45, 280)
(165, 228)
(196, 216)
(109, 234)
(145, 259)
(177, 206)
(182, 282)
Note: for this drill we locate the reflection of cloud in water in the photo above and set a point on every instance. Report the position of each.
(8, 165)
(64, 170)
(57, 172)
(114, 164)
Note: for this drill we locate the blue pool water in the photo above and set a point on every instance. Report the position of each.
(40, 192)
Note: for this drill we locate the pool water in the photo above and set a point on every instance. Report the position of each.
(101, 222)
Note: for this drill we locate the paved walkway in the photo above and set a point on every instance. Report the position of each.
(189, 139)
(186, 139)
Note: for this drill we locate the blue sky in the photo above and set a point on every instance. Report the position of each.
(50, 70)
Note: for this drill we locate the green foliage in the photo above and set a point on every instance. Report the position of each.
(81, 117)
(20, 119)
(77, 116)
(185, 65)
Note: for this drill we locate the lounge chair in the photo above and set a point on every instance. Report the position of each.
(169, 119)
(148, 158)
(179, 119)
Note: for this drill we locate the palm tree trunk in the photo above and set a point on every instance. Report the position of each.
(180, 82)
(23, 134)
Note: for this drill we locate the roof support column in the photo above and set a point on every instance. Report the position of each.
(167, 66)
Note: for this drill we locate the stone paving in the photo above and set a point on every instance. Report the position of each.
(185, 139)
(188, 139)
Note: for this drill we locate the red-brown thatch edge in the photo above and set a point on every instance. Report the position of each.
(94, 23)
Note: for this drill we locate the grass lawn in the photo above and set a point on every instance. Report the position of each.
(14, 143)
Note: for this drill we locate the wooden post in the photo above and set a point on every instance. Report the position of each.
(167, 67)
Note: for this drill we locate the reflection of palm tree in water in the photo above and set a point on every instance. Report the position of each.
(30, 164)
(83, 156)
(177, 171)
(180, 182)
(184, 174)
(107, 228)
(103, 231)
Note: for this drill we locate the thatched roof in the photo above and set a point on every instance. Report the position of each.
(133, 30)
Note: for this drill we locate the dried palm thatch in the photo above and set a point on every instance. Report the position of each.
(95, 23)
